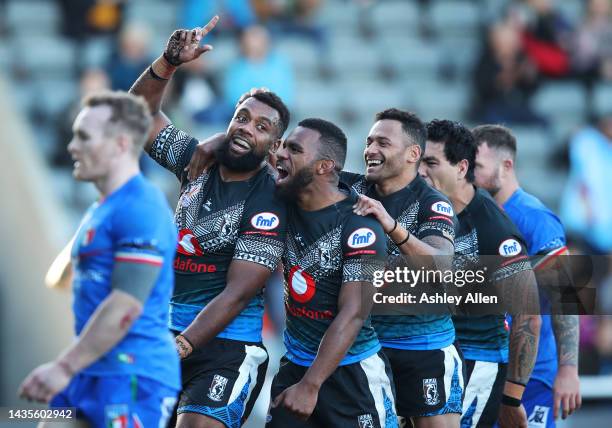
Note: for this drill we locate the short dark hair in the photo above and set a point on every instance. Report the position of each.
(411, 124)
(497, 137)
(271, 99)
(458, 142)
(333, 140)
(129, 112)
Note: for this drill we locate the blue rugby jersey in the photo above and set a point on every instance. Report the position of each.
(134, 225)
(543, 233)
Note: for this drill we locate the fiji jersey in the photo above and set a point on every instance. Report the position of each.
(543, 233)
(423, 211)
(219, 222)
(131, 225)
(484, 230)
(326, 249)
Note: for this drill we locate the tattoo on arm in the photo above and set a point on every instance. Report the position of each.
(524, 337)
(151, 89)
(566, 329)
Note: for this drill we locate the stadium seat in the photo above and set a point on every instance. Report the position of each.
(602, 98)
(393, 15)
(303, 53)
(54, 95)
(51, 56)
(420, 60)
(160, 15)
(337, 15)
(534, 145)
(455, 17)
(563, 101)
(24, 17)
(435, 100)
(317, 99)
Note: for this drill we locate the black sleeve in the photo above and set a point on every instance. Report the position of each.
(508, 248)
(173, 149)
(436, 218)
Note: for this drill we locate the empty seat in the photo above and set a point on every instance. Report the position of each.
(602, 99)
(45, 55)
(387, 15)
(25, 17)
(455, 17)
(561, 101)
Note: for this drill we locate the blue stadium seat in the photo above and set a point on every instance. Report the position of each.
(602, 98)
(303, 53)
(26, 17)
(435, 100)
(394, 14)
(160, 15)
(455, 17)
(49, 56)
(562, 101)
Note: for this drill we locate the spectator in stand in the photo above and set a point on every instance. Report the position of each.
(546, 39)
(258, 67)
(504, 79)
(131, 57)
(592, 48)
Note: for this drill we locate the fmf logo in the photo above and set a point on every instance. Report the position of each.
(510, 247)
(265, 221)
(362, 237)
(443, 208)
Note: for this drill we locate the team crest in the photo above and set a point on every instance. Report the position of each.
(365, 421)
(217, 388)
(227, 227)
(539, 417)
(430, 391)
(325, 256)
(116, 416)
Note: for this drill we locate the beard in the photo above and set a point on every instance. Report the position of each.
(245, 163)
(290, 190)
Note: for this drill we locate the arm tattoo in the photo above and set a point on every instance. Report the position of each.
(524, 337)
(566, 329)
(441, 244)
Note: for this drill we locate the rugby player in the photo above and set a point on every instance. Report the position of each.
(334, 373)
(427, 367)
(231, 238)
(496, 371)
(122, 367)
(554, 383)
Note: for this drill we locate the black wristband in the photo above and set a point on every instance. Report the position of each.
(186, 340)
(510, 401)
(399, 244)
(154, 75)
(524, 385)
(394, 227)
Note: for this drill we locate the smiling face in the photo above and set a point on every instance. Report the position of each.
(250, 136)
(91, 148)
(387, 151)
(296, 161)
(437, 170)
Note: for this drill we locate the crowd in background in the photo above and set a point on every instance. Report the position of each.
(525, 44)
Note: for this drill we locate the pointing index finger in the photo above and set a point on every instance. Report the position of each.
(211, 24)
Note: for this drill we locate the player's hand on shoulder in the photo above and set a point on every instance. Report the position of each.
(368, 206)
(566, 391)
(45, 382)
(300, 399)
(512, 417)
(184, 45)
(204, 155)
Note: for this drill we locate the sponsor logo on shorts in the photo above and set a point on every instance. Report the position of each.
(430, 391)
(116, 416)
(265, 221)
(510, 247)
(217, 387)
(362, 237)
(443, 208)
(365, 421)
(538, 417)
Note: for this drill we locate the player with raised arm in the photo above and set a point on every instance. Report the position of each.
(122, 367)
(496, 370)
(333, 374)
(427, 367)
(554, 383)
(231, 238)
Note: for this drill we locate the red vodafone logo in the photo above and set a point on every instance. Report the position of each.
(188, 244)
(301, 285)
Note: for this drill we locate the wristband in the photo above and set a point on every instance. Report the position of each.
(394, 227)
(182, 345)
(510, 401)
(399, 244)
(524, 385)
(154, 75)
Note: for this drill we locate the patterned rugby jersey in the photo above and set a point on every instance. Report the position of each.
(423, 211)
(485, 230)
(326, 249)
(219, 222)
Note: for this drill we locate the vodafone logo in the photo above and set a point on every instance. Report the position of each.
(362, 237)
(188, 244)
(302, 286)
(443, 208)
(510, 247)
(265, 221)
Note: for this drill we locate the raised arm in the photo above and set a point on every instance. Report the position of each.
(183, 46)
